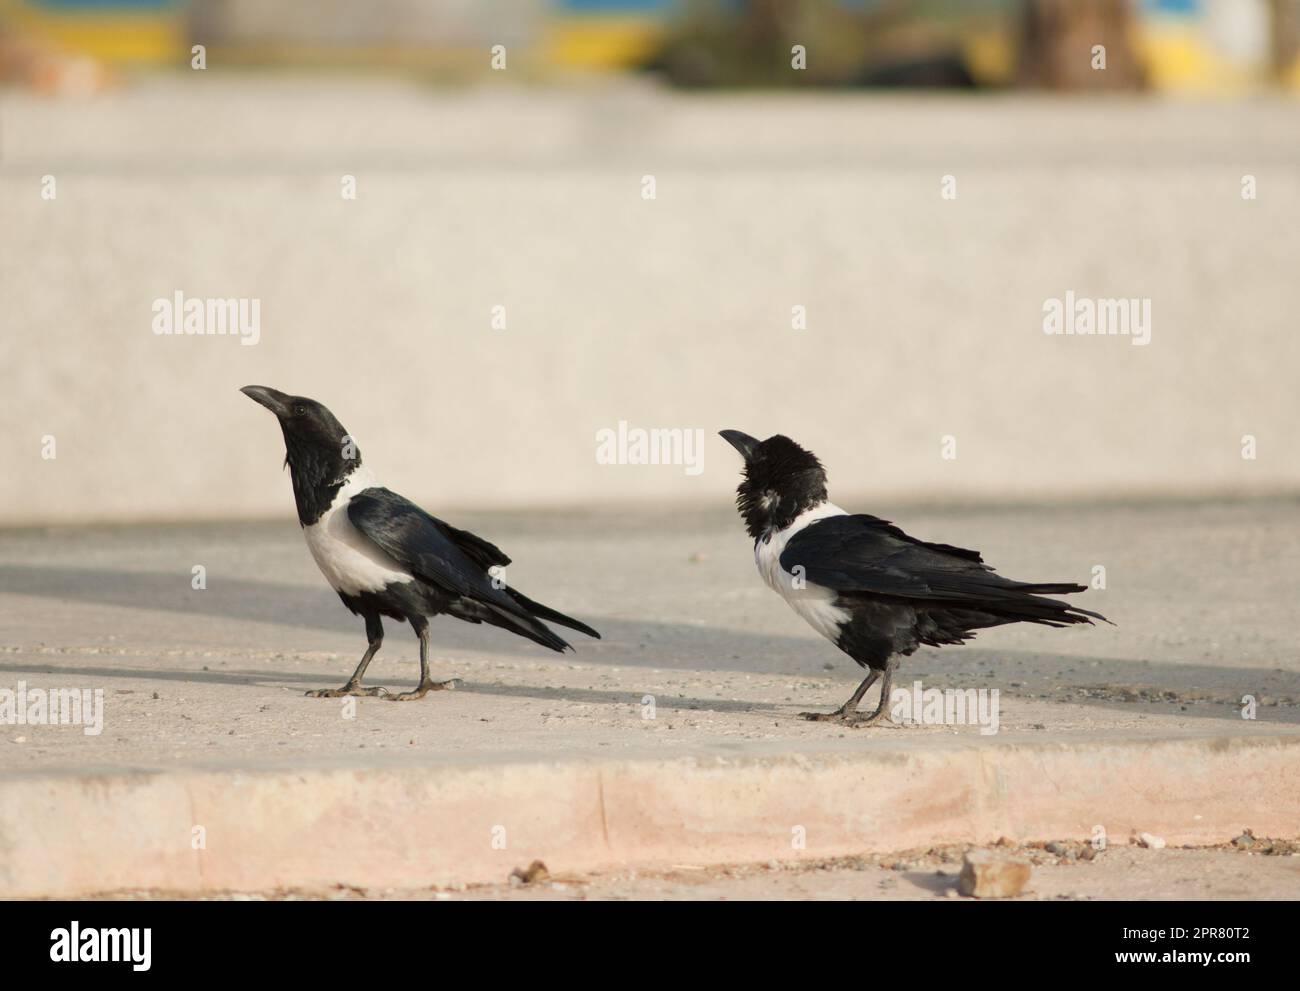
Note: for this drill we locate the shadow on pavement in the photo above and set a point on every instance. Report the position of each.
(661, 646)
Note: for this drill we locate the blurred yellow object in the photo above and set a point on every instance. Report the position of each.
(602, 42)
(1179, 59)
(147, 36)
(991, 56)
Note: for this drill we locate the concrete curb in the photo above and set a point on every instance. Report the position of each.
(411, 826)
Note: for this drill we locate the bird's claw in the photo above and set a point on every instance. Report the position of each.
(424, 688)
(857, 720)
(823, 717)
(860, 720)
(375, 691)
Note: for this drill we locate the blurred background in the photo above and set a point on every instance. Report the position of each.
(1168, 45)
(442, 208)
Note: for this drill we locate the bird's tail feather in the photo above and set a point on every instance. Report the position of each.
(526, 626)
(1031, 605)
(1017, 602)
(1050, 588)
(550, 615)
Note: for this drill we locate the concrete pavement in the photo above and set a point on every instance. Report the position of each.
(674, 738)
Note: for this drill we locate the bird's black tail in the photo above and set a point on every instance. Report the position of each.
(1025, 602)
(524, 625)
(550, 615)
(523, 616)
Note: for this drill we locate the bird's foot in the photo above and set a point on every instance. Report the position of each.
(878, 718)
(424, 688)
(854, 719)
(824, 717)
(348, 689)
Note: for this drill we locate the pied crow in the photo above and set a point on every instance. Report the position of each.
(384, 555)
(864, 584)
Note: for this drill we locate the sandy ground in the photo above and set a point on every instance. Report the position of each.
(1202, 598)
(1125, 873)
(1129, 873)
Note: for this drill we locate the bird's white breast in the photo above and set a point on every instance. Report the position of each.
(813, 602)
(347, 559)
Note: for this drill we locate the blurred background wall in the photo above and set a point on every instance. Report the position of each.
(857, 252)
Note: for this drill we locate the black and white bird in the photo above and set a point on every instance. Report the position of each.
(384, 555)
(863, 583)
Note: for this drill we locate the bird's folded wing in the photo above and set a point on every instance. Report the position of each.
(454, 560)
(482, 552)
(864, 554)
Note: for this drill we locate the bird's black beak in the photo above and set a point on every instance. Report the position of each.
(743, 443)
(277, 402)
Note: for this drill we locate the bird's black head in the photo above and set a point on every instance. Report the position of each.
(319, 452)
(781, 481)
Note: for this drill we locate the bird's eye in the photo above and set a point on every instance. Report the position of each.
(300, 410)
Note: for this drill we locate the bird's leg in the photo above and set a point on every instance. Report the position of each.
(848, 708)
(881, 715)
(375, 634)
(427, 684)
(848, 713)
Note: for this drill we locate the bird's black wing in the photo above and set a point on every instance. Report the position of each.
(865, 555)
(455, 561)
(482, 552)
(421, 543)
